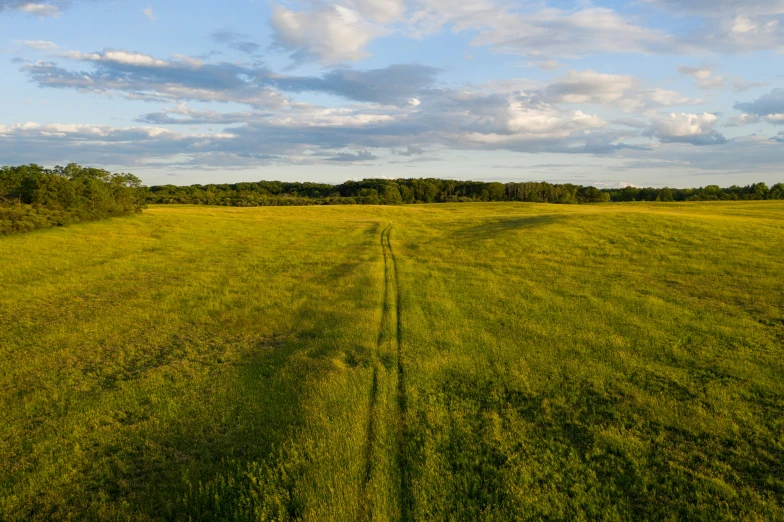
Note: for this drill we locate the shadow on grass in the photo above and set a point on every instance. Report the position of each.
(498, 228)
(592, 452)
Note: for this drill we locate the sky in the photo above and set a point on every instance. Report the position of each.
(608, 93)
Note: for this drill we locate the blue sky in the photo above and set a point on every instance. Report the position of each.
(609, 93)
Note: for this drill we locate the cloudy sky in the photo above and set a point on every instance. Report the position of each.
(611, 92)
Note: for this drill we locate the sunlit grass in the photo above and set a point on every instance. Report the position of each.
(556, 362)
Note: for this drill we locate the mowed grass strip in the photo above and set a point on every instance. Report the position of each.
(606, 362)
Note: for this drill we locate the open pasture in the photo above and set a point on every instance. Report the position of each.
(499, 361)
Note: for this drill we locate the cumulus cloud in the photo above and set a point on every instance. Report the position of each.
(769, 107)
(393, 108)
(696, 129)
(329, 34)
(622, 91)
(448, 118)
(445, 118)
(401, 108)
(301, 133)
(340, 31)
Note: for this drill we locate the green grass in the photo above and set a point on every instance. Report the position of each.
(441, 362)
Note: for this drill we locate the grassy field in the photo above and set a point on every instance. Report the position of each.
(436, 362)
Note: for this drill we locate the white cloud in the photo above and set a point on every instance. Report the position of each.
(679, 125)
(331, 34)
(622, 91)
(86, 130)
(728, 26)
(703, 76)
(696, 129)
(744, 119)
(119, 57)
(42, 10)
(148, 12)
(589, 87)
(341, 32)
(40, 45)
(553, 32)
(142, 77)
(519, 28)
(379, 10)
(309, 116)
(733, 34)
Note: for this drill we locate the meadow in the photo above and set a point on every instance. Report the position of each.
(473, 361)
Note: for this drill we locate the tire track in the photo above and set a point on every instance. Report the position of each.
(367, 497)
(386, 495)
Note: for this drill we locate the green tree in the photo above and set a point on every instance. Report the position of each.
(592, 195)
(392, 195)
(496, 191)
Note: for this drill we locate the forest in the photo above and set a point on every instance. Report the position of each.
(34, 197)
(392, 192)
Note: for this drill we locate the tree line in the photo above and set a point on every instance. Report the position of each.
(371, 192)
(33, 197)
(431, 190)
